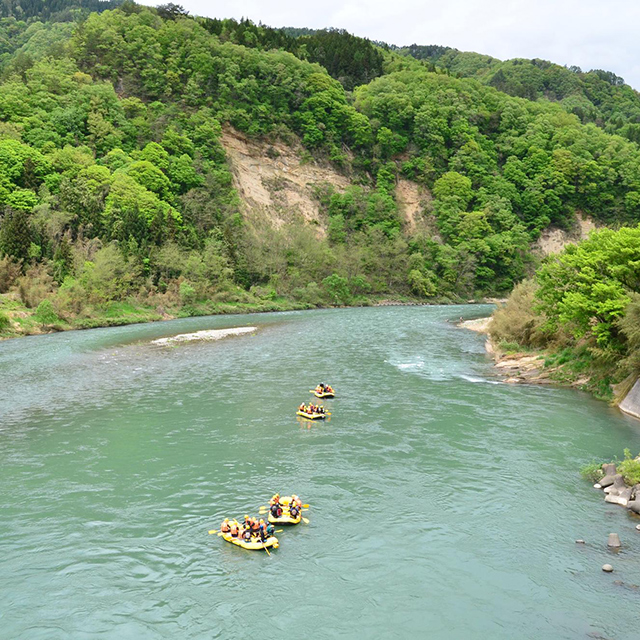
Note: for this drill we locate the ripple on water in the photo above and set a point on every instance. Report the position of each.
(441, 501)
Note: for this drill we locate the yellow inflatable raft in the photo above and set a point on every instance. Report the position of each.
(255, 544)
(285, 518)
(322, 394)
(311, 416)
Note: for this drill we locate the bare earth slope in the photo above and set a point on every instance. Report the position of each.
(273, 182)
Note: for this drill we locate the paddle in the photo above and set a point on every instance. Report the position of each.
(305, 520)
(267, 550)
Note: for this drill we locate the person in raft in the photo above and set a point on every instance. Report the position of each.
(225, 527)
(295, 506)
(275, 506)
(302, 408)
(320, 388)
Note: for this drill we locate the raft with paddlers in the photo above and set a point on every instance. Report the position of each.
(312, 412)
(285, 510)
(252, 534)
(323, 391)
(255, 544)
(312, 416)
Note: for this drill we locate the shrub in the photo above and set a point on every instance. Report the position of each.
(630, 468)
(516, 321)
(9, 273)
(592, 471)
(187, 293)
(5, 323)
(36, 285)
(509, 347)
(45, 313)
(338, 288)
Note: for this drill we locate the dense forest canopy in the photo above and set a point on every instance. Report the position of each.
(52, 9)
(595, 96)
(114, 184)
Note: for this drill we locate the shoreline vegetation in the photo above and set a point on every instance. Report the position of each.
(518, 366)
(576, 321)
(23, 321)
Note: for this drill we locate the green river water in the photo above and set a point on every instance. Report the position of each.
(444, 504)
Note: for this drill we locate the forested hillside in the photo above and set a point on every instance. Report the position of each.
(118, 201)
(595, 96)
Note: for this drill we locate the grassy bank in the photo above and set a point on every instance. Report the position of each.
(16, 319)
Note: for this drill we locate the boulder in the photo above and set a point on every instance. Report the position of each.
(614, 541)
(617, 486)
(634, 505)
(609, 470)
(607, 567)
(617, 499)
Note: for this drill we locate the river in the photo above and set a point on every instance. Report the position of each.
(444, 504)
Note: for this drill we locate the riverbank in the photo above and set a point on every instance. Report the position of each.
(17, 320)
(543, 367)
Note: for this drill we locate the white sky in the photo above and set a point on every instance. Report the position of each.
(601, 34)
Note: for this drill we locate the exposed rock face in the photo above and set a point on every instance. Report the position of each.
(274, 183)
(412, 201)
(555, 240)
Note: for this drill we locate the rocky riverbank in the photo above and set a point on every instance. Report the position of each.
(519, 367)
(616, 490)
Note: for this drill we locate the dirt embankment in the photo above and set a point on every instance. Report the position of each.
(553, 240)
(275, 182)
(413, 203)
